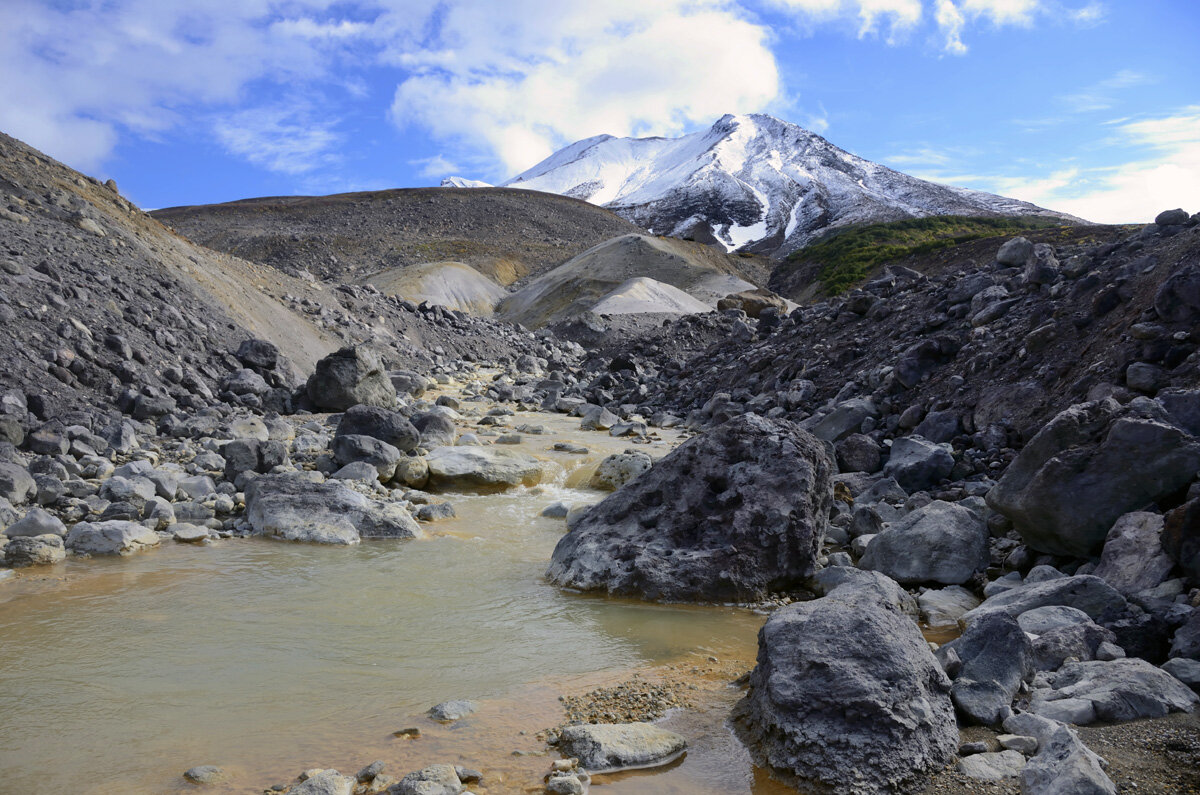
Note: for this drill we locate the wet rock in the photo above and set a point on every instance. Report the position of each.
(40, 550)
(943, 608)
(370, 772)
(847, 697)
(940, 542)
(432, 780)
(618, 469)
(731, 514)
(348, 377)
(189, 533)
(452, 710)
(612, 746)
(324, 782)
(204, 774)
(36, 523)
(435, 512)
(597, 418)
(1133, 558)
(1071, 483)
(387, 426)
(996, 658)
(917, 464)
(482, 468)
(1116, 691)
(292, 507)
(110, 538)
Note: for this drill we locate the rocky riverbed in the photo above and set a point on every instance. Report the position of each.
(255, 525)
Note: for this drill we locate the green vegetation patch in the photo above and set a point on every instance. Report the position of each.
(847, 255)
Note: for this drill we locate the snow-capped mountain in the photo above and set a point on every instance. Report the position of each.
(753, 183)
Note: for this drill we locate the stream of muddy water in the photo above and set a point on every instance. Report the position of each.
(268, 658)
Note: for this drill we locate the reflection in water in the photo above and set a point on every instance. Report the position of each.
(267, 658)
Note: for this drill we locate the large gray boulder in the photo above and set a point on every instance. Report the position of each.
(996, 658)
(1091, 464)
(1114, 691)
(1063, 764)
(1133, 558)
(387, 426)
(940, 542)
(293, 507)
(482, 468)
(34, 551)
(918, 464)
(350, 448)
(729, 515)
(613, 746)
(16, 484)
(1084, 592)
(432, 780)
(848, 698)
(348, 377)
(437, 430)
(618, 469)
(110, 538)
(326, 782)
(36, 522)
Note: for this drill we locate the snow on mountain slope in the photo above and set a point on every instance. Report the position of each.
(463, 182)
(752, 183)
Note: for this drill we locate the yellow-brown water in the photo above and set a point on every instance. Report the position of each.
(268, 658)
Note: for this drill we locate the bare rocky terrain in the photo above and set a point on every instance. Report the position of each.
(997, 444)
(506, 234)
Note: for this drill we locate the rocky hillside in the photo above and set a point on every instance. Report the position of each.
(504, 234)
(105, 308)
(751, 183)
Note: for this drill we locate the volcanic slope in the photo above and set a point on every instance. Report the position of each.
(504, 234)
(752, 183)
(576, 287)
(103, 306)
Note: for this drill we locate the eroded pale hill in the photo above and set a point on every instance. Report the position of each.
(575, 287)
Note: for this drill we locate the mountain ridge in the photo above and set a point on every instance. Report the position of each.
(751, 183)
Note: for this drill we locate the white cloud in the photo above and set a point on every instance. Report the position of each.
(900, 16)
(284, 138)
(1100, 95)
(80, 75)
(435, 167)
(1089, 15)
(1165, 175)
(523, 78)
(950, 20)
(1002, 12)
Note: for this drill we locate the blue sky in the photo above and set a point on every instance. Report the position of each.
(1087, 106)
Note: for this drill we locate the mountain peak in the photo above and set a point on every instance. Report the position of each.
(750, 182)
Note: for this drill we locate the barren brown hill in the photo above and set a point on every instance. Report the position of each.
(504, 233)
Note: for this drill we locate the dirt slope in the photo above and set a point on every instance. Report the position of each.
(503, 233)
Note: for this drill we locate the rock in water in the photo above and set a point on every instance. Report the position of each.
(848, 698)
(609, 746)
(482, 468)
(348, 377)
(110, 538)
(1074, 479)
(292, 507)
(728, 516)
